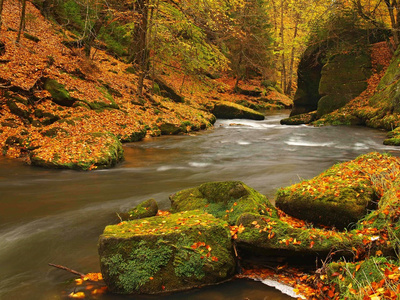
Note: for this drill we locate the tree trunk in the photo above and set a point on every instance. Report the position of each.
(22, 20)
(289, 85)
(92, 35)
(395, 25)
(142, 53)
(283, 49)
(1, 11)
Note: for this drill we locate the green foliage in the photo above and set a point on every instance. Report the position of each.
(188, 262)
(249, 51)
(142, 262)
(116, 37)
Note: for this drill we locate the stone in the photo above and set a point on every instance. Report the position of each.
(58, 92)
(146, 209)
(341, 195)
(230, 110)
(166, 253)
(226, 200)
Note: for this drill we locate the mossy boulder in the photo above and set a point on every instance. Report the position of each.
(170, 129)
(230, 110)
(341, 195)
(272, 238)
(146, 209)
(166, 253)
(305, 118)
(225, 200)
(58, 92)
(83, 152)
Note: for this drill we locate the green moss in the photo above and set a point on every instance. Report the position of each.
(230, 110)
(339, 196)
(226, 200)
(137, 267)
(148, 208)
(273, 237)
(351, 279)
(58, 92)
(195, 249)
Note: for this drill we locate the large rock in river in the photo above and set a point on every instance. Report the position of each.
(341, 195)
(229, 110)
(168, 253)
(226, 200)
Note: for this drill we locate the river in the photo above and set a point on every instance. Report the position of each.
(56, 216)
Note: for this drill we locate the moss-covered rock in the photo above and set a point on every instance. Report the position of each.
(146, 209)
(305, 118)
(360, 280)
(58, 92)
(230, 110)
(341, 195)
(226, 200)
(169, 253)
(169, 129)
(86, 152)
(272, 237)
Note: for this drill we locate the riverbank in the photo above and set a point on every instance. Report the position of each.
(59, 107)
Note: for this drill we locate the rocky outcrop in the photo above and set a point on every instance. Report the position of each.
(308, 78)
(225, 200)
(230, 110)
(343, 78)
(163, 254)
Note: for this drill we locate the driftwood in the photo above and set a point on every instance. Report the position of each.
(68, 270)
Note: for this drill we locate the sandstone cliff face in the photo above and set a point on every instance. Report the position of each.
(328, 83)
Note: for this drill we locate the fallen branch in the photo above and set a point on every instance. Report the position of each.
(68, 270)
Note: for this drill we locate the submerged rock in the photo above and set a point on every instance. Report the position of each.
(229, 110)
(226, 200)
(168, 253)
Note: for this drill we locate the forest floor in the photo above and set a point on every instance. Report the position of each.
(52, 96)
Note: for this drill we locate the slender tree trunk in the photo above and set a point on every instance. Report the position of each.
(283, 49)
(142, 53)
(289, 86)
(1, 11)
(93, 33)
(395, 25)
(22, 20)
(275, 15)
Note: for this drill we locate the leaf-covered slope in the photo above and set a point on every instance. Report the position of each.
(52, 95)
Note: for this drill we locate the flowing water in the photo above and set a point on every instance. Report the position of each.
(56, 216)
